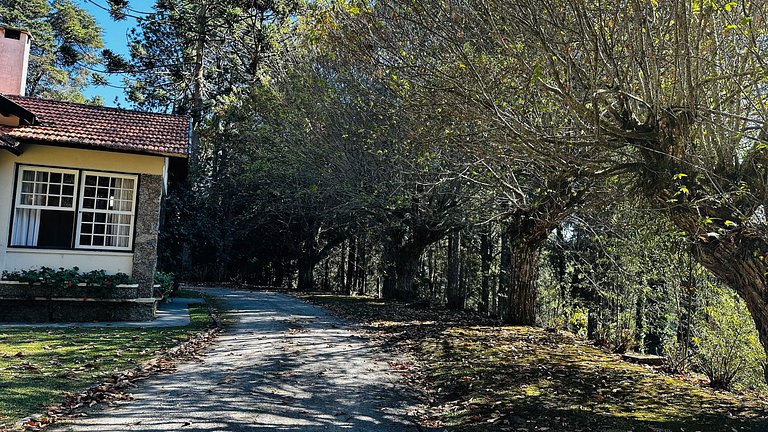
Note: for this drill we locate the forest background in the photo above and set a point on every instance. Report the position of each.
(596, 166)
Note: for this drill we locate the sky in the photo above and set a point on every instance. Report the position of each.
(115, 34)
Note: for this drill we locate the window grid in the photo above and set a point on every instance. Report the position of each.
(107, 204)
(48, 188)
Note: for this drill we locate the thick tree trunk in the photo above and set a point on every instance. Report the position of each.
(505, 276)
(454, 296)
(401, 265)
(593, 322)
(739, 259)
(520, 308)
(306, 269)
(432, 266)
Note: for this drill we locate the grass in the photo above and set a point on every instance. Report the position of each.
(480, 377)
(38, 365)
(187, 293)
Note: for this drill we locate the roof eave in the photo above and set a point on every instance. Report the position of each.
(107, 148)
(11, 145)
(11, 108)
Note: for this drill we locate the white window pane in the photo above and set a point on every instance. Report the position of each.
(110, 200)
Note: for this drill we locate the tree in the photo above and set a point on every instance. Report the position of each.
(65, 46)
(423, 52)
(671, 92)
(186, 54)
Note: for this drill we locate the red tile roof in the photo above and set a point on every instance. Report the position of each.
(66, 123)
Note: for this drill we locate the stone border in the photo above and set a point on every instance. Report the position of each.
(41, 309)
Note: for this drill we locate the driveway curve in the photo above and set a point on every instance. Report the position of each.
(283, 365)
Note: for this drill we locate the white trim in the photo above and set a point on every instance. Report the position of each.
(20, 181)
(13, 282)
(86, 299)
(69, 252)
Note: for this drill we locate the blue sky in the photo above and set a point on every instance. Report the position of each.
(115, 38)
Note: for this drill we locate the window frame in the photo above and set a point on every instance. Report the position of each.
(20, 186)
(81, 210)
(79, 182)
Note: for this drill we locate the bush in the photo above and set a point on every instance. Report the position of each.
(727, 345)
(167, 285)
(62, 277)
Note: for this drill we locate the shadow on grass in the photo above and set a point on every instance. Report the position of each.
(39, 365)
(492, 378)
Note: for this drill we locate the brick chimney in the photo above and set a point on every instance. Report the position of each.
(14, 58)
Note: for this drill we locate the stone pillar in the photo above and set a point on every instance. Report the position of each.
(147, 225)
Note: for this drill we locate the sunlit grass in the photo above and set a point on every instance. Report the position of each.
(38, 365)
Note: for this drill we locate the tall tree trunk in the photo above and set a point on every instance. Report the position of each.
(505, 275)
(453, 294)
(341, 270)
(593, 322)
(351, 266)
(486, 255)
(431, 270)
(362, 277)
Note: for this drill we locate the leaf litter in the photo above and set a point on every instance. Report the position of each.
(475, 375)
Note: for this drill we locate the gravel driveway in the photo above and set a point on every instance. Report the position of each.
(284, 365)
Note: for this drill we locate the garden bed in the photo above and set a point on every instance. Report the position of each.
(24, 290)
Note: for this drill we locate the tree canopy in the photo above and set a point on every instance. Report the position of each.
(65, 53)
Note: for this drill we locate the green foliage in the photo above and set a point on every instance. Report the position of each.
(167, 284)
(728, 350)
(62, 277)
(65, 44)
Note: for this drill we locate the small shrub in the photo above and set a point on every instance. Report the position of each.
(577, 322)
(167, 285)
(727, 345)
(99, 278)
(677, 357)
(68, 278)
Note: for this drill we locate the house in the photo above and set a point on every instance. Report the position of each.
(80, 185)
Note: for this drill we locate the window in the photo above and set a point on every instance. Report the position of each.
(106, 211)
(45, 208)
(46, 205)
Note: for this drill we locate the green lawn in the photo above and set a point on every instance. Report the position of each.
(37, 366)
(481, 377)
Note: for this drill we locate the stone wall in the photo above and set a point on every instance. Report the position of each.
(74, 310)
(147, 225)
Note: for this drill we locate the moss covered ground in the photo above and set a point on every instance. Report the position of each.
(476, 376)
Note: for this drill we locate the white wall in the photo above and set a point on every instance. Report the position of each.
(20, 259)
